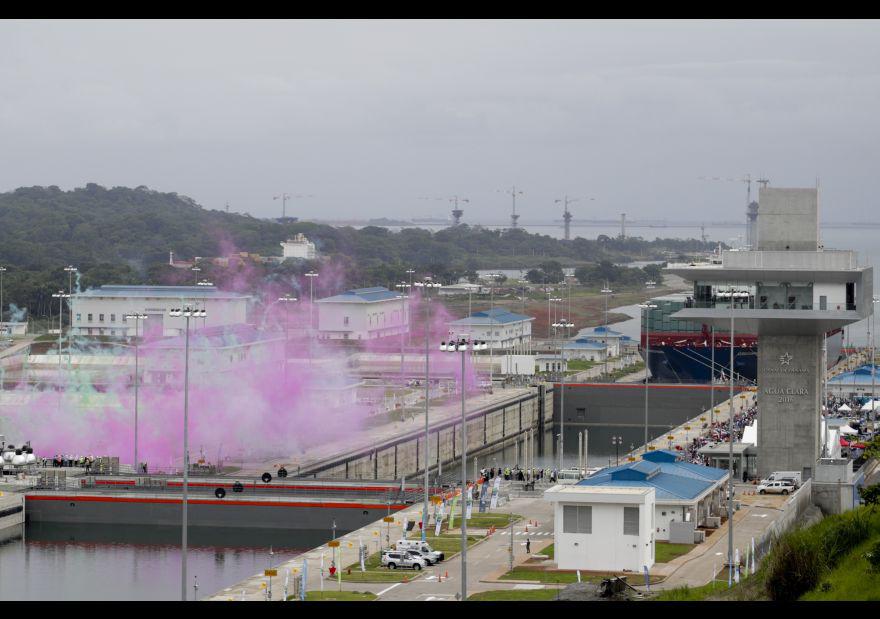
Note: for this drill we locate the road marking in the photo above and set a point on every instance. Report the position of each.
(389, 588)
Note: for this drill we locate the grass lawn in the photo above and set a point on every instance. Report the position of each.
(338, 596)
(498, 595)
(547, 551)
(690, 594)
(563, 577)
(579, 365)
(486, 520)
(853, 578)
(665, 552)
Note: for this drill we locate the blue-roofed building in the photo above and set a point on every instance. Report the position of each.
(498, 327)
(584, 349)
(854, 384)
(604, 335)
(685, 492)
(102, 310)
(363, 314)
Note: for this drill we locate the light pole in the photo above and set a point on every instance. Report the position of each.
(60, 295)
(410, 272)
(647, 307)
(404, 288)
(874, 301)
(730, 459)
(137, 318)
(284, 197)
(70, 271)
(2, 271)
(606, 291)
(287, 300)
(617, 441)
(311, 275)
(427, 285)
(187, 312)
(562, 324)
(196, 270)
(463, 345)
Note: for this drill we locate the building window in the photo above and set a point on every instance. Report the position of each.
(113, 319)
(630, 520)
(79, 317)
(90, 320)
(345, 321)
(577, 519)
(101, 318)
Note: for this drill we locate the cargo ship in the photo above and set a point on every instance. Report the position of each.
(681, 351)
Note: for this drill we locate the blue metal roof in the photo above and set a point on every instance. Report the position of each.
(660, 470)
(494, 316)
(859, 376)
(362, 295)
(601, 331)
(168, 292)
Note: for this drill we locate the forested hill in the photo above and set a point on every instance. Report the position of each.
(43, 227)
(123, 235)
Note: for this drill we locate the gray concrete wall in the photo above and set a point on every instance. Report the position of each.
(488, 429)
(789, 219)
(789, 400)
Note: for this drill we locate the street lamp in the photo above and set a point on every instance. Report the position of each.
(647, 307)
(874, 300)
(60, 295)
(404, 288)
(2, 271)
(562, 324)
(186, 312)
(606, 291)
(137, 318)
(286, 299)
(311, 275)
(196, 270)
(427, 285)
(617, 441)
(463, 345)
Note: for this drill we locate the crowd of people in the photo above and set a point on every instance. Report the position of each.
(518, 474)
(68, 461)
(719, 431)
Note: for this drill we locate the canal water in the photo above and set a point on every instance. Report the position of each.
(123, 562)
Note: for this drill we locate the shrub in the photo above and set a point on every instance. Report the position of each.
(870, 494)
(873, 557)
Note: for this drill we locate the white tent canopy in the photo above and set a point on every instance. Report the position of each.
(869, 406)
(845, 408)
(848, 430)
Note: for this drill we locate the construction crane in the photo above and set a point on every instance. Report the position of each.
(284, 197)
(457, 212)
(513, 193)
(566, 215)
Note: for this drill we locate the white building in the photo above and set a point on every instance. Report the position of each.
(685, 492)
(603, 335)
(460, 289)
(101, 311)
(362, 314)
(13, 328)
(603, 528)
(499, 328)
(299, 247)
(584, 350)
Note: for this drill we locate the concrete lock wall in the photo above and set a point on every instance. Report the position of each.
(490, 428)
(788, 398)
(788, 219)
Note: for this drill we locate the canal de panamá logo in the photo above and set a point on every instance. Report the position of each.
(785, 359)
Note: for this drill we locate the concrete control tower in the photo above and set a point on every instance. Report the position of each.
(791, 294)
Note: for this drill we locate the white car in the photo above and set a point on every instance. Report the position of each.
(776, 487)
(425, 550)
(393, 559)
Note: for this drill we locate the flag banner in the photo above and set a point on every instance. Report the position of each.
(363, 555)
(405, 527)
(302, 589)
(438, 521)
(452, 513)
(495, 489)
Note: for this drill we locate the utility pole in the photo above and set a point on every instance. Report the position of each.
(457, 212)
(512, 192)
(284, 197)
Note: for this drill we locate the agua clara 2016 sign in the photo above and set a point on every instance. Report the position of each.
(786, 394)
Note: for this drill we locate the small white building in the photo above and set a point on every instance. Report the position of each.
(498, 327)
(584, 350)
(550, 363)
(101, 311)
(603, 528)
(603, 335)
(363, 314)
(460, 289)
(299, 247)
(685, 492)
(13, 328)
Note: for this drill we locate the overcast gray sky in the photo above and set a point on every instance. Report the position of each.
(368, 116)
